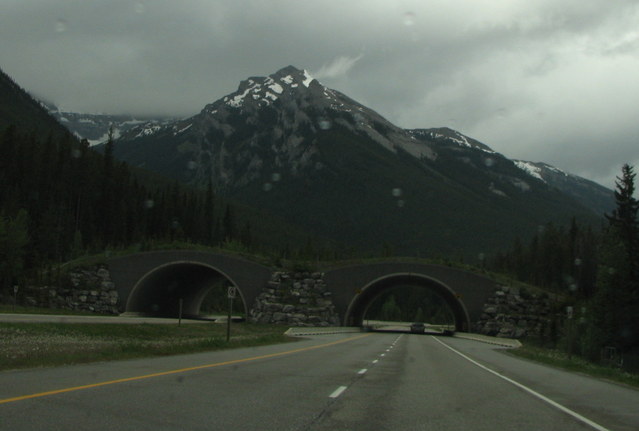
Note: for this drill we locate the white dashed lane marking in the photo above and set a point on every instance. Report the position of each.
(337, 392)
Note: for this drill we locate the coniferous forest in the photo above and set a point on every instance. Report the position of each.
(598, 271)
(60, 200)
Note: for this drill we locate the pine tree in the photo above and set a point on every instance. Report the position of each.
(615, 305)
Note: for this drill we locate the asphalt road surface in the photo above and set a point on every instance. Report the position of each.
(371, 381)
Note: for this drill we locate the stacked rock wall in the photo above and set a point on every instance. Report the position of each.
(295, 299)
(515, 313)
(85, 289)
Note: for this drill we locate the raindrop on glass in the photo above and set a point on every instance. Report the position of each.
(75, 153)
(276, 177)
(489, 162)
(401, 203)
(191, 165)
(61, 26)
(409, 19)
(139, 7)
(149, 203)
(324, 123)
(397, 192)
(267, 187)
(577, 262)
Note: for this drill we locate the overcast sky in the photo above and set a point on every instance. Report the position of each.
(540, 80)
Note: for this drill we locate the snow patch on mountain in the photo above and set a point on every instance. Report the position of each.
(530, 168)
(307, 79)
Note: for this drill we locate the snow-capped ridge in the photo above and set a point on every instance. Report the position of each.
(263, 91)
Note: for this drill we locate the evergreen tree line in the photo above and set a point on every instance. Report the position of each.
(410, 304)
(598, 273)
(59, 199)
(557, 258)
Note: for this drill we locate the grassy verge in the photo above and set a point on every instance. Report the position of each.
(561, 360)
(27, 345)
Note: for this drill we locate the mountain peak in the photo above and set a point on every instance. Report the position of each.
(263, 90)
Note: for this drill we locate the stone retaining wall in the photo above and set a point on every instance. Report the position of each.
(85, 289)
(295, 299)
(515, 313)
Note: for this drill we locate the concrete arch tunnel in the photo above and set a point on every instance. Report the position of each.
(152, 283)
(357, 308)
(158, 293)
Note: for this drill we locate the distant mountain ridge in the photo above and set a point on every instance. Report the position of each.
(321, 160)
(95, 127)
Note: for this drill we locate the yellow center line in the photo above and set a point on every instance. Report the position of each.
(181, 370)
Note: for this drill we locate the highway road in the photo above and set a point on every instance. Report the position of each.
(370, 381)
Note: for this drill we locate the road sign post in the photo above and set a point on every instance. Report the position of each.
(230, 294)
(15, 297)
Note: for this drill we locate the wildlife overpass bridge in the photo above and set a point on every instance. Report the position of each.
(153, 283)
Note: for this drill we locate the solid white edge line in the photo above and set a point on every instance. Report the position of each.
(362, 371)
(530, 391)
(337, 392)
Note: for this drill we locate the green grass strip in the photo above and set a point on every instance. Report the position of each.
(28, 345)
(560, 359)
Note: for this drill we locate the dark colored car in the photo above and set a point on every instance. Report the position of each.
(417, 328)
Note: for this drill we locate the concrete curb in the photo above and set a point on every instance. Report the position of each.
(320, 330)
(505, 342)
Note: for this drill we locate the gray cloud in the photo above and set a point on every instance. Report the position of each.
(541, 80)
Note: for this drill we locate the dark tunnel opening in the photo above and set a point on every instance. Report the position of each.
(159, 292)
(359, 305)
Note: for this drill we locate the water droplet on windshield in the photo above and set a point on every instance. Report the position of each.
(267, 187)
(401, 203)
(397, 192)
(276, 177)
(149, 203)
(75, 153)
(409, 19)
(139, 7)
(61, 26)
(502, 113)
(191, 165)
(324, 123)
(489, 162)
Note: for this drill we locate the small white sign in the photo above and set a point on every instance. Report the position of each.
(231, 292)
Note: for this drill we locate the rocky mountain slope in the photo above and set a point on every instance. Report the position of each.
(312, 155)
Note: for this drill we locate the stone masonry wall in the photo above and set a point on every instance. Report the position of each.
(515, 313)
(295, 299)
(86, 289)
